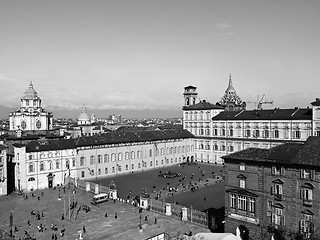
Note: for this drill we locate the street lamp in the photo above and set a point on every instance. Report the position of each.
(59, 193)
(140, 226)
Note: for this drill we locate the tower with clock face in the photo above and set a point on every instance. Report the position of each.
(30, 116)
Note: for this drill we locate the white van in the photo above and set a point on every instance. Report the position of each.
(99, 198)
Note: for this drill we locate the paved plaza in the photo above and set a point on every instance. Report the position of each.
(51, 209)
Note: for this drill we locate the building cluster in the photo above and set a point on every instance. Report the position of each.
(33, 155)
(226, 127)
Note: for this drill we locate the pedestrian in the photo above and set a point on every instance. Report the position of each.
(28, 223)
(115, 215)
(84, 229)
(106, 214)
(42, 215)
(155, 220)
(41, 194)
(38, 197)
(146, 218)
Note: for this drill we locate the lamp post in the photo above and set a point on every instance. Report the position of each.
(140, 226)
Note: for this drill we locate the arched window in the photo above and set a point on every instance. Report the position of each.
(150, 153)
(31, 179)
(57, 164)
(127, 155)
(132, 155)
(113, 157)
(119, 156)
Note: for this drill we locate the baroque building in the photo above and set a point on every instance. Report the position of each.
(274, 193)
(30, 116)
(47, 163)
(218, 130)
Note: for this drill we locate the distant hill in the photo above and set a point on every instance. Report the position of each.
(74, 113)
(124, 113)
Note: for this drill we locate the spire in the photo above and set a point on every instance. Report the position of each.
(230, 81)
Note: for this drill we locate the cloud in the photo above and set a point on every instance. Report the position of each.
(223, 25)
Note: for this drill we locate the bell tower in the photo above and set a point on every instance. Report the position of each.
(190, 95)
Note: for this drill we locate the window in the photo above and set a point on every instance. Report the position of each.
(57, 164)
(278, 191)
(132, 166)
(252, 205)
(150, 153)
(132, 155)
(119, 168)
(139, 165)
(306, 224)
(151, 163)
(106, 158)
(277, 216)
(41, 166)
(99, 158)
(242, 167)
(233, 201)
(82, 161)
(248, 132)
(162, 151)
(126, 156)
(106, 170)
(99, 171)
(127, 167)
(139, 154)
(23, 124)
(266, 133)
(92, 160)
(30, 157)
(256, 133)
(50, 165)
(223, 132)
(242, 203)
(276, 133)
(306, 194)
(67, 164)
(296, 134)
(242, 183)
(73, 162)
(278, 170)
(307, 174)
(119, 156)
(113, 157)
(38, 124)
(113, 170)
(231, 132)
(82, 174)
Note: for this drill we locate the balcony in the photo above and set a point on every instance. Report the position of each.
(278, 196)
(307, 202)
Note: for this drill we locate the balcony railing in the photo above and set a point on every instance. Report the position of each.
(307, 202)
(278, 196)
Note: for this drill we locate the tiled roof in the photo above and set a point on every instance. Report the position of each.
(268, 114)
(133, 136)
(289, 153)
(106, 138)
(203, 105)
(48, 145)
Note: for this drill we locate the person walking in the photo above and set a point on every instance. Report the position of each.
(84, 229)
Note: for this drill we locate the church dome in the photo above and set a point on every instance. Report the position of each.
(30, 93)
(84, 118)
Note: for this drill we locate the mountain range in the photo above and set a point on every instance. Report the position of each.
(102, 113)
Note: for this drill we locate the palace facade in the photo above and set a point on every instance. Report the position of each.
(30, 115)
(223, 128)
(274, 193)
(47, 163)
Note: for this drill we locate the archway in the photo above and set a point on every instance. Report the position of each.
(242, 232)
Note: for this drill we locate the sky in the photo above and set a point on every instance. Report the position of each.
(140, 54)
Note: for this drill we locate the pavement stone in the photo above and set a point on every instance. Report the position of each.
(125, 226)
